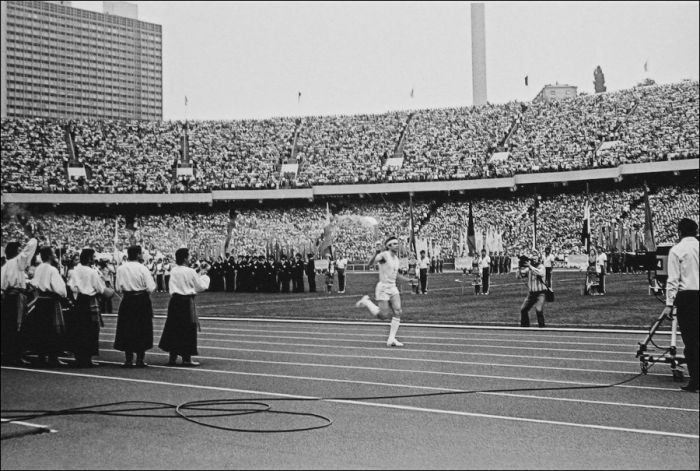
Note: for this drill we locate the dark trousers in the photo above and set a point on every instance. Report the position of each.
(423, 280)
(312, 282)
(601, 282)
(548, 276)
(533, 298)
(687, 312)
(485, 280)
(341, 279)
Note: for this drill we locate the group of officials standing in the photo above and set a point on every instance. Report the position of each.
(50, 315)
(250, 274)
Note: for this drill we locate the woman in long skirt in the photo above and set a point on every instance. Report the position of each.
(180, 332)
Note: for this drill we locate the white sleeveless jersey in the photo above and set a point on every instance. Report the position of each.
(389, 269)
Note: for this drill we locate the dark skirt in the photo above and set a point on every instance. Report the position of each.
(180, 331)
(43, 330)
(14, 309)
(83, 327)
(134, 323)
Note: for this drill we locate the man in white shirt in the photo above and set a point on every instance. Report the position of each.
(44, 329)
(423, 266)
(13, 282)
(386, 292)
(548, 265)
(180, 332)
(135, 319)
(601, 267)
(682, 292)
(485, 266)
(84, 330)
(341, 264)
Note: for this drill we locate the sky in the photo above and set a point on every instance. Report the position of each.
(250, 60)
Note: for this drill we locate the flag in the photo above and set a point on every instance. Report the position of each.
(412, 240)
(586, 232)
(186, 100)
(326, 243)
(646, 69)
(526, 84)
(299, 97)
(649, 242)
(411, 93)
(471, 239)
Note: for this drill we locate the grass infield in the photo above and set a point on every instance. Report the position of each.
(450, 300)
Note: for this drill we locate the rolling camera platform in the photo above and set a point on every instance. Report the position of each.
(669, 354)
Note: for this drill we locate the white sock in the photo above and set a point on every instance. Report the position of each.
(373, 308)
(395, 321)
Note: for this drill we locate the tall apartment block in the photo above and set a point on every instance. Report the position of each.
(64, 62)
(478, 54)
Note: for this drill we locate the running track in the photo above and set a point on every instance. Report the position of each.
(644, 424)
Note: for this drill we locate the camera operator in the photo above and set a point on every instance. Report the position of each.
(682, 291)
(534, 270)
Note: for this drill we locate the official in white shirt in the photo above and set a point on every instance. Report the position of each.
(682, 292)
(423, 266)
(341, 264)
(44, 330)
(13, 282)
(84, 328)
(485, 265)
(135, 319)
(601, 267)
(548, 265)
(180, 331)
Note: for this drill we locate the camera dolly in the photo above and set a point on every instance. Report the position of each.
(662, 355)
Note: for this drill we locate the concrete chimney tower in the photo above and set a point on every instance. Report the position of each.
(478, 54)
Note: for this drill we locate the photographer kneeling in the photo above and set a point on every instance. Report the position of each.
(534, 269)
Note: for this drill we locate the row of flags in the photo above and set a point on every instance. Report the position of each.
(614, 236)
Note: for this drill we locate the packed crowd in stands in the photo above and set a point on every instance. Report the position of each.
(299, 227)
(648, 123)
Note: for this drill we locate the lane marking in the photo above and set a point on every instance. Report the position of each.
(505, 355)
(487, 326)
(372, 335)
(372, 404)
(398, 370)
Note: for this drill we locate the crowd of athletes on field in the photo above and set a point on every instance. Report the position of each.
(649, 123)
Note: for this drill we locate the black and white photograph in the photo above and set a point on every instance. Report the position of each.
(349, 235)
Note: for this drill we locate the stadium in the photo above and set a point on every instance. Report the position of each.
(612, 171)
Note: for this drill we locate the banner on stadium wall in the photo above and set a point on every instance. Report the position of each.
(463, 262)
(185, 171)
(321, 264)
(577, 261)
(289, 168)
(76, 172)
(499, 157)
(394, 162)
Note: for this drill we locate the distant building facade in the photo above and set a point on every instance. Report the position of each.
(64, 62)
(556, 92)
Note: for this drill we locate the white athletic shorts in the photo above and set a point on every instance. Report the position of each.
(384, 291)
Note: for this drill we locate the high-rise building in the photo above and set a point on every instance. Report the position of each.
(64, 62)
(478, 54)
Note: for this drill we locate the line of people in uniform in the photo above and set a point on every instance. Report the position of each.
(49, 315)
(249, 274)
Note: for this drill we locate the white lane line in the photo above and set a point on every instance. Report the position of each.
(44, 428)
(400, 370)
(372, 404)
(493, 326)
(466, 375)
(276, 334)
(442, 352)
